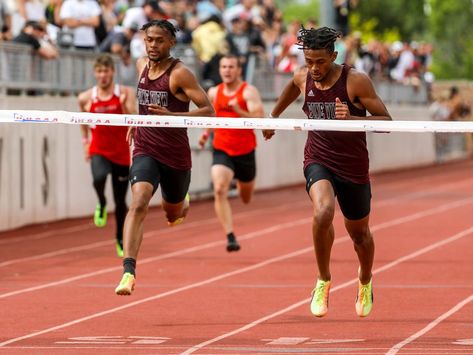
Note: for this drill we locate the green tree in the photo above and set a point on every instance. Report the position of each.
(405, 17)
(451, 27)
(301, 11)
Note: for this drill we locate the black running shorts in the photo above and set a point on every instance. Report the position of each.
(354, 199)
(174, 183)
(243, 166)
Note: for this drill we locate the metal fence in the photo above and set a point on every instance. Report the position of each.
(22, 71)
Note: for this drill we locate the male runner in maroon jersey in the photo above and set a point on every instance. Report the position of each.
(335, 163)
(161, 155)
(108, 150)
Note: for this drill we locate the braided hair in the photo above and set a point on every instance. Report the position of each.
(320, 38)
(164, 24)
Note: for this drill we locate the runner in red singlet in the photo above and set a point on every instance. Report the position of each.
(107, 148)
(335, 163)
(161, 156)
(233, 149)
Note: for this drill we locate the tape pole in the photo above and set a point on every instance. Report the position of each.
(65, 117)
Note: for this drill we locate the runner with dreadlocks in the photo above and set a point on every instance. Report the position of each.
(160, 155)
(335, 163)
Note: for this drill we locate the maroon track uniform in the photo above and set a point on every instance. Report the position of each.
(344, 153)
(169, 146)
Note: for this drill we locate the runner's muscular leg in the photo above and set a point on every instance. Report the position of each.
(246, 190)
(364, 245)
(133, 229)
(323, 202)
(174, 211)
(221, 179)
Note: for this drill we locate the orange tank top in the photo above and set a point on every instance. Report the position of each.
(232, 141)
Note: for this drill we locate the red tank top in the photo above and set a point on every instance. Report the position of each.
(344, 153)
(109, 141)
(232, 141)
(169, 146)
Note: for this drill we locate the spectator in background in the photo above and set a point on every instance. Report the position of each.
(5, 21)
(207, 37)
(291, 62)
(244, 40)
(184, 35)
(150, 10)
(32, 34)
(405, 62)
(271, 36)
(246, 8)
(458, 109)
(109, 16)
(32, 10)
(52, 13)
(342, 12)
(81, 17)
(211, 69)
(118, 40)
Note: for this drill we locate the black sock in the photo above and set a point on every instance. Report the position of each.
(231, 237)
(129, 265)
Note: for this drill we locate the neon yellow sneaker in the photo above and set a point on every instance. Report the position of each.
(100, 216)
(119, 248)
(127, 285)
(179, 220)
(319, 302)
(364, 299)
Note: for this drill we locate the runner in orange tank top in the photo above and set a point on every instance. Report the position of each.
(233, 149)
(108, 150)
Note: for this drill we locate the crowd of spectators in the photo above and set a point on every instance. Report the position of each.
(211, 27)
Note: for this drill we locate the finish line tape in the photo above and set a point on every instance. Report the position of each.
(36, 116)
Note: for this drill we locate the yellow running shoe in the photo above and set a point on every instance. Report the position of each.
(100, 215)
(179, 220)
(364, 299)
(127, 285)
(319, 302)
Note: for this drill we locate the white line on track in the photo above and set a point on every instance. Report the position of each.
(53, 233)
(390, 265)
(245, 269)
(251, 235)
(395, 349)
(191, 225)
(160, 232)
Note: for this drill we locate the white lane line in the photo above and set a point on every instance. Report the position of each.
(390, 265)
(153, 234)
(47, 234)
(191, 225)
(251, 235)
(395, 349)
(272, 229)
(210, 280)
(161, 295)
(160, 257)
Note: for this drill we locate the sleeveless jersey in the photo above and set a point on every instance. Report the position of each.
(169, 146)
(232, 141)
(109, 141)
(344, 153)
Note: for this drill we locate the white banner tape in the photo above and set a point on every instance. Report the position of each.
(33, 116)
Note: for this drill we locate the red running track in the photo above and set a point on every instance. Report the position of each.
(57, 281)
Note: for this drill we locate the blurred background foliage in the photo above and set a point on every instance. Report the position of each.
(447, 25)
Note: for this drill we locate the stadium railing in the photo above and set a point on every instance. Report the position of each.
(22, 71)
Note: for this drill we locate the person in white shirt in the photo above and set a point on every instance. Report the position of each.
(81, 17)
